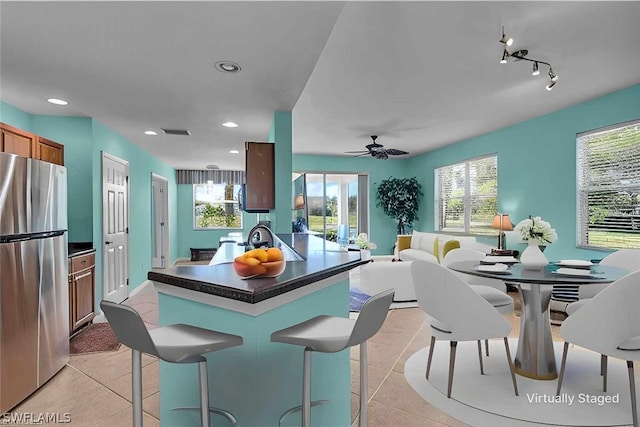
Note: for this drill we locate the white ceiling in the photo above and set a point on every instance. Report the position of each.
(419, 74)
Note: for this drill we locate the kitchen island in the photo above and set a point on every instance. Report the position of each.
(259, 380)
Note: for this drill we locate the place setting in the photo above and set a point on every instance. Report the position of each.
(575, 267)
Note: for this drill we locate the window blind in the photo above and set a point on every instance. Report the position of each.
(609, 187)
(185, 176)
(467, 195)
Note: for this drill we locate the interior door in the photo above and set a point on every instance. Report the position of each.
(159, 222)
(115, 228)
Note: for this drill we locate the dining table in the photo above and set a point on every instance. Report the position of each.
(535, 357)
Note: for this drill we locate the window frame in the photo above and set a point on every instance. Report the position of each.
(467, 197)
(583, 189)
(221, 203)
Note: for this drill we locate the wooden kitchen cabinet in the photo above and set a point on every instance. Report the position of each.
(27, 144)
(50, 151)
(17, 141)
(82, 285)
(260, 176)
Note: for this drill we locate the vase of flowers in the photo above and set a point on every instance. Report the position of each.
(536, 232)
(365, 246)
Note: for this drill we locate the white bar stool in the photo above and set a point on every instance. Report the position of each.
(330, 334)
(174, 343)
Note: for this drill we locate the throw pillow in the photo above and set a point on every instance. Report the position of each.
(436, 251)
(426, 242)
(415, 240)
(404, 242)
(449, 246)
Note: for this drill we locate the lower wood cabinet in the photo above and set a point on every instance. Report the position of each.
(82, 285)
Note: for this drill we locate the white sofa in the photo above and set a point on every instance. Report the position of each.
(382, 274)
(423, 246)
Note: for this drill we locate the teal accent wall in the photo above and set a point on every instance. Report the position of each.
(283, 138)
(141, 165)
(75, 134)
(536, 165)
(84, 139)
(382, 229)
(15, 117)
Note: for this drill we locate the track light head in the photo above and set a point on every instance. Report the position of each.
(553, 76)
(551, 84)
(505, 55)
(506, 40)
(535, 69)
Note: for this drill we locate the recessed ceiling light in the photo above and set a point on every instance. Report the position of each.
(230, 125)
(234, 152)
(150, 132)
(58, 101)
(227, 66)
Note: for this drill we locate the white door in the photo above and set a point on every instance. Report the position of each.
(115, 227)
(159, 221)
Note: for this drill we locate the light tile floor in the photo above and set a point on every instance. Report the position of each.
(95, 389)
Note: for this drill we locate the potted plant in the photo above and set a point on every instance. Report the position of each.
(399, 198)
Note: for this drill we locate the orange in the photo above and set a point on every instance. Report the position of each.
(274, 254)
(259, 254)
(242, 259)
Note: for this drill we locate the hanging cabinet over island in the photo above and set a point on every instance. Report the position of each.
(259, 380)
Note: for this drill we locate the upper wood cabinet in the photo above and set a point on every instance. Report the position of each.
(27, 144)
(260, 176)
(50, 151)
(17, 141)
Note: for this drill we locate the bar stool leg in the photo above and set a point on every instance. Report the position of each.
(204, 393)
(136, 387)
(306, 388)
(363, 385)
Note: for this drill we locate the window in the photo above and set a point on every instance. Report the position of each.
(609, 187)
(216, 206)
(467, 196)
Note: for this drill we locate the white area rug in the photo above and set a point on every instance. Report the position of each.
(489, 400)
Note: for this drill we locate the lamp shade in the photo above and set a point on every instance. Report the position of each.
(299, 202)
(502, 222)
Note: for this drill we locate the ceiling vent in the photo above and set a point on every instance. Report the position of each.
(181, 132)
(213, 167)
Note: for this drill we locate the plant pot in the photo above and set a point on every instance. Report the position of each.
(365, 254)
(532, 257)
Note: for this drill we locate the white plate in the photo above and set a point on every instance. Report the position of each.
(493, 268)
(492, 259)
(573, 272)
(580, 263)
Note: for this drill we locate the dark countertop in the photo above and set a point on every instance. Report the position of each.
(323, 260)
(80, 248)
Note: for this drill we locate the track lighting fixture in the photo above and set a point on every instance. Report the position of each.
(506, 40)
(521, 55)
(505, 55)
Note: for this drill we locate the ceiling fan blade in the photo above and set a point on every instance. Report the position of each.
(363, 154)
(356, 152)
(395, 152)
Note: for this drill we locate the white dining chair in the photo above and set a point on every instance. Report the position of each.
(628, 259)
(458, 314)
(610, 325)
(494, 291)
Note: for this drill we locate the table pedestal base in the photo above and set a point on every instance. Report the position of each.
(535, 357)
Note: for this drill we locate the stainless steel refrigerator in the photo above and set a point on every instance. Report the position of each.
(34, 301)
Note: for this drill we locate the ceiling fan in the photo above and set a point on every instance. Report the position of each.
(377, 150)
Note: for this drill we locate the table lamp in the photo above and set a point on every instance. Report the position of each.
(502, 222)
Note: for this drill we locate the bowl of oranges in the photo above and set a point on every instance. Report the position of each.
(260, 263)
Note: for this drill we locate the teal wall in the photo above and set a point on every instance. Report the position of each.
(536, 165)
(84, 139)
(76, 134)
(382, 229)
(15, 117)
(141, 165)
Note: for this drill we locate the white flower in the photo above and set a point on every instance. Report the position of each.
(536, 228)
(363, 242)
